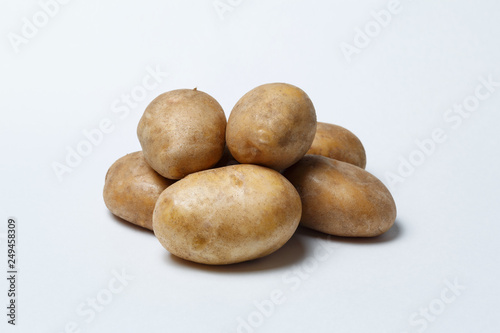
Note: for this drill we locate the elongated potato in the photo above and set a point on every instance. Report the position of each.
(341, 199)
(227, 215)
(181, 132)
(131, 189)
(336, 142)
(272, 125)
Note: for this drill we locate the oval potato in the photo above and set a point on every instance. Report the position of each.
(336, 142)
(227, 215)
(181, 132)
(341, 199)
(272, 125)
(131, 188)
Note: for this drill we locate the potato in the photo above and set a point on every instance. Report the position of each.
(227, 215)
(131, 189)
(272, 125)
(181, 132)
(341, 199)
(336, 142)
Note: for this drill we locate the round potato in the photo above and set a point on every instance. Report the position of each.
(336, 142)
(341, 199)
(272, 125)
(181, 132)
(227, 215)
(131, 189)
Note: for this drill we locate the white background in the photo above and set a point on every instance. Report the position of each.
(397, 89)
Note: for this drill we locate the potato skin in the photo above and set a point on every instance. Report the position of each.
(339, 143)
(181, 132)
(227, 215)
(131, 188)
(341, 199)
(272, 125)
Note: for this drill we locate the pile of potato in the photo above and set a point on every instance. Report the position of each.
(221, 192)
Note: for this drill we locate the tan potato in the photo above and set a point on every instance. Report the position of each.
(336, 142)
(271, 125)
(131, 189)
(341, 199)
(227, 215)
(181, 132)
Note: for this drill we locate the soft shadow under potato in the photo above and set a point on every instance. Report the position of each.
(291, 253)
(393, 233)
(129, 225)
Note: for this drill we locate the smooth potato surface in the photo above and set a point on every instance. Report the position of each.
(181, 132)
(272, 125)
(341, 199)
(227, 215)
(336, 142)
(131, 189)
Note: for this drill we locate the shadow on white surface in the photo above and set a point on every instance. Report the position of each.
(125, 224)
(291, 253)
(393, 233)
